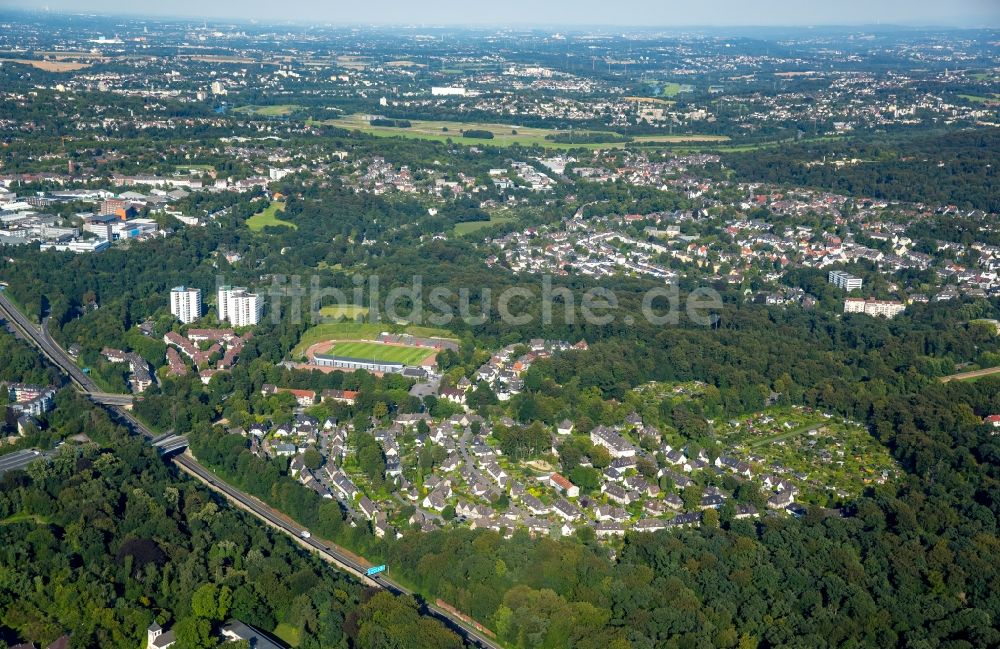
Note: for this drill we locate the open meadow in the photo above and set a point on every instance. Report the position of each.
(503, 134)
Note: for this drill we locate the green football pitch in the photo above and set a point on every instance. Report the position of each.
(378, 352)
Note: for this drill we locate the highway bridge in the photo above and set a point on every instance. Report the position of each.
(110, 399)
(169, 444)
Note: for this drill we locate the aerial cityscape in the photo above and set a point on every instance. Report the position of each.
(402, 330)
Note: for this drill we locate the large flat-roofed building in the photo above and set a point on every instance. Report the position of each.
(185, 303)
(448, 91)
(883, 308)
(844, 280)
(239, 307)
(77, 245)
(854, 305)
(348, 363)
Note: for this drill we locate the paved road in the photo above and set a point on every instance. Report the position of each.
(106, 399)
(972, 374)
(346, 560)
(332, 553)
(470, 463)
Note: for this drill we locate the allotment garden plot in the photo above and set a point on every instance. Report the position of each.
(824, 454)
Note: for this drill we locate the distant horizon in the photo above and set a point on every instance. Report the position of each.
(557, 15)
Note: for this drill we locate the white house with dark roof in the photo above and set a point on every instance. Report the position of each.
(157, 638)
(650, 525)
(616, 493)
(498, 474)
(566, 510)
(367, 507)
(534, 505)
(781, 499)
(606, 529)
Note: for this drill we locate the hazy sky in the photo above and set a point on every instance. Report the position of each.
(968, 13)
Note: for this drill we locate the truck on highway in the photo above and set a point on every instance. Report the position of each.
(305, 534)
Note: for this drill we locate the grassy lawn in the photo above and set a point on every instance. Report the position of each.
(279, 110)
(980, 99)
(668, 139)
(426, 332)
(346, 311)
(651, 100)
(777, 438)
(356, 330)
(336, 331)
(25, 518)
(269, 216)
(503, 134)
(986, 75)
(671, 89)
(380, 352)
(468, 227)
(971, 375)
(288, 633)
(50, 66)
(195, 167)
(993, 371)
(725, 147)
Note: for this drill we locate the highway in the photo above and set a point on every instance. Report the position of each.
(331, 552)
(187, 463)
(106, 399)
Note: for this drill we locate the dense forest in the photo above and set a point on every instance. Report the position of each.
(958, 168)
(103, 538)
(740, 583)
(909, 564)
(21, 364)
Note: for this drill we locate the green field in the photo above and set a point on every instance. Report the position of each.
(356, 330)
(290, 634)
(379, 352)
(346, 311)
(280, 110)
(503, 134)
(196, 167)
(671, 89)
(269, 216)
(981, 99)
(468, 227)
(23, 517)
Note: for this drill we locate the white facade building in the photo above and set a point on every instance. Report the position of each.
(883, 308)
(185, 303)
(844, 280)
(448, 91)
(240, 308)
